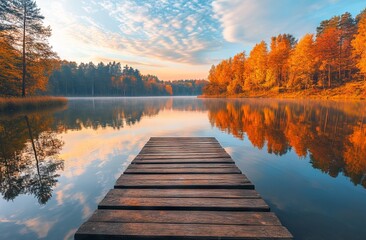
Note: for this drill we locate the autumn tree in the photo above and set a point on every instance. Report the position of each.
(169, 89)
(327, 44)
(24, 23)
(281, 47)
(359, 44)
(256, 67)
(347, 28)
(9, 72)
(302, 64)
(238, 62)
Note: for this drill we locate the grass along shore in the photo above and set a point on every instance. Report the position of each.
(352, 91)
(13, 104)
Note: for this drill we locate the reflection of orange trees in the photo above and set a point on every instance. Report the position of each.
(29, 157)
(355, 155)
(334, 140)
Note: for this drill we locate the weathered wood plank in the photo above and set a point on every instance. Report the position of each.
(207, 204)
(212, 177)
(182, 151)
(188, 217)
(184, 193)
(167, 166)
(184, 184)
(181, 156)
(183, 171)
(100, 230)
(183, 145)
(179, 161)
(183, 139)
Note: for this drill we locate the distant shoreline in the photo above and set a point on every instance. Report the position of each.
(349, 91)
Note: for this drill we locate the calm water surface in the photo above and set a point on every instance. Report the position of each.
(306, 158)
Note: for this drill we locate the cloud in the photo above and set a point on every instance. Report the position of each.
(38, 225)
(249, 21)
(177, 31)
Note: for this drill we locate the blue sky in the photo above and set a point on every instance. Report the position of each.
(178, 39)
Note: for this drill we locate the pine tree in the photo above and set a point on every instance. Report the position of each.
(24, 23)
(359, 44)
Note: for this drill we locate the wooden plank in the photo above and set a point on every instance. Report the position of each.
(184, 184)
(183, 171)
(207, 204)
(212, 177)
(183, 165)
(180, 161)
(101, 230)
(185, 146)
(184, 193)
(181, 150)
(188, 217)
(181, 156)
(191, 155)
(172, 145)
(183, 139)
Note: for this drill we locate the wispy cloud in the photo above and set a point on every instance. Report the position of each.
(249, 21)
(178, 38)
(179, 31)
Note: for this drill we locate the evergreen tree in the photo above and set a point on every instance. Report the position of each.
(22, 20)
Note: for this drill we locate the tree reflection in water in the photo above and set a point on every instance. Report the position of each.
(29, 157)
(332, 134)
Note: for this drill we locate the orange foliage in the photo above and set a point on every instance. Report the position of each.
(333, 139)
(288, 66)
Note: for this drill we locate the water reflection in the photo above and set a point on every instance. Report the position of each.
(55, 166)
(118, 113)
(331, 133)
(29, 157)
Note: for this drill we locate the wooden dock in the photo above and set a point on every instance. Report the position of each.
(183, 188)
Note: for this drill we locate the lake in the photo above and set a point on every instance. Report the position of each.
(306, 158)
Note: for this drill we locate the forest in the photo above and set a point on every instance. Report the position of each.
(333, 57)
(88, 79)
(29, 66)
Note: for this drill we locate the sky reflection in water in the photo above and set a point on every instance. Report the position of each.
(306, 158)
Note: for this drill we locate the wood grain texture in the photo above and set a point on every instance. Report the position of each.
(189, 217)
(183, 188)
(184, 193)
(187, 161)
(207, 204)
(183, 171)
(108, 230)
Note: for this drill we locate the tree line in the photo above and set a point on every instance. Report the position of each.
(334, 56)
(88, 79)
(28, 66)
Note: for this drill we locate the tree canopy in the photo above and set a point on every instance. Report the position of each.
(335, 56)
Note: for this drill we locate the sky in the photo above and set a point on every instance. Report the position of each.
(178, 39)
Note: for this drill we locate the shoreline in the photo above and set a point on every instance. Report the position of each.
(16, 104)
(349, 91)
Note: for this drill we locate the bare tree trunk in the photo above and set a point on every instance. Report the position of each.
(33, 146)
(329, 76)
(24, 59)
